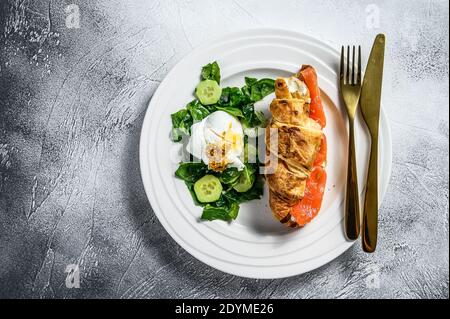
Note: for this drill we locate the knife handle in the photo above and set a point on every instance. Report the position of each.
(370, 218)
(352, 215)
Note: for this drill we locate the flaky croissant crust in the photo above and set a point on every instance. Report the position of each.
(298, 142)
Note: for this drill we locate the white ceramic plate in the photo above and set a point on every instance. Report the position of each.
(255, 244)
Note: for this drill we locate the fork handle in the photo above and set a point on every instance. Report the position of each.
(370, 218)
(352, 215)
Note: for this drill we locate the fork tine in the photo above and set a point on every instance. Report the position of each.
(342, 70)
(359, 65)
(353, 67)
(348, 65)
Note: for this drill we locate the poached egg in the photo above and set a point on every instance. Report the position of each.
(218, 140)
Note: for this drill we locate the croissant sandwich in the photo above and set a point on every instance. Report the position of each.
(296, 149)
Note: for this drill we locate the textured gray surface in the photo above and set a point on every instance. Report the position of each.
(71, 106)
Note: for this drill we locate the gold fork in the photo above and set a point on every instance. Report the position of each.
(350, 87)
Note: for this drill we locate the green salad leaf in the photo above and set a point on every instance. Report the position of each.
(211, 71)
(181, 124)
(229, 176)
(233, 97)
(190, 187)
(261, 88)
(236, 112)
(191, 172)
(226, 213)
(262, 119)
(250, 119)
(233, 210)
(250, 81)
(197, 110)
(240, 102)
(255, 192)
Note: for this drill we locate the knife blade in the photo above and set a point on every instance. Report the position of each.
(370, 109)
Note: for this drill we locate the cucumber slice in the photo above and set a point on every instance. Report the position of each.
(208, 189)
(245, 181)
(208, 92)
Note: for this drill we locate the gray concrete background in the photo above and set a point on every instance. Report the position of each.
(72, 101)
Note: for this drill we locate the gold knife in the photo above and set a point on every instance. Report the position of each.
(370, 109)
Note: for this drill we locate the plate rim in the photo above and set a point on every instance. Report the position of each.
(329, 255)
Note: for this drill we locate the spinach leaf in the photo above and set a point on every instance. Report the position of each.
(235, 102)
(211, 71)
(229, 176)
(221, 202)
(255, 192)
(233, 97)
(226, 213)
(231, 101)
(212, 213)
(252, 167)
(240, 102)
(191, 172)
(181, 124)
(233, 210)
(211, 108)
(190, 187)
(262, 119)
(249, 117)
(261, 88)
(197, 110)
(231, 110)
(250, 81)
